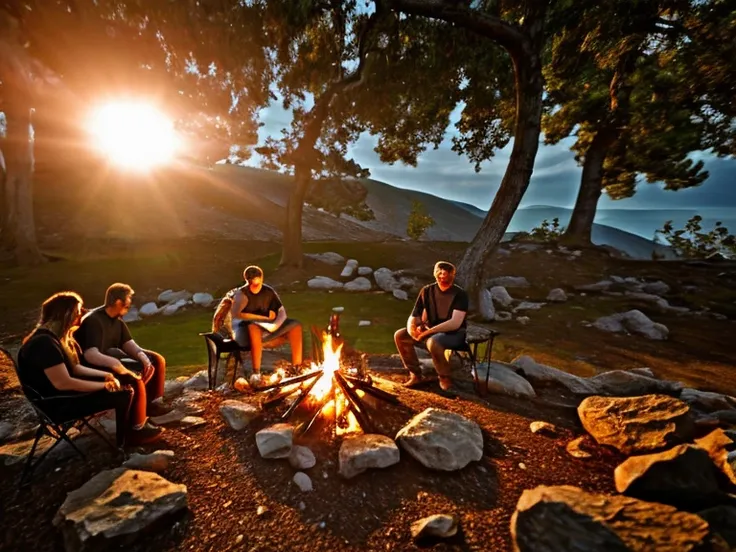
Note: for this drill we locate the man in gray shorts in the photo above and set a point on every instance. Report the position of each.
(259, 318)
(437, 323)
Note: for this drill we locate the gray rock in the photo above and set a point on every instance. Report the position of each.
(155, 462)
(133, 315)
(603, 285)
(302, 458)
(503, 380)
(633, 321)
(385, 279)
(656, 288)
(523, 320)
(203, 299)
(323, 282)
(303, 481)
(400, 294)
(173, 417)
(350, 266)
(364, 323)
(173, 388)
(149, 309)
(509, 281)
(501, 296)
(486, 311)
(442, 440)
(503, 316)
(528, 305)
(365, 271)
(275, 441)
(170, 296)
(540, 374)
(173, 308)
(552, 519)
(191, 422)
(623, 383)
(238, 414)
(116, 507)
(438, 525)
(330, 257)
(706, 401)
(363, 452)
(198, 382)
(361, 283)
(557, 295)
(635, 425)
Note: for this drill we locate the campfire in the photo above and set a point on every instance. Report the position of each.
(330, 390)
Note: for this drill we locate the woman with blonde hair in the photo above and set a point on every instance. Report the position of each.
(49, 368)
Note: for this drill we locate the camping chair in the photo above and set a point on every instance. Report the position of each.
(468, 353)
(58, 430)
(217, 346)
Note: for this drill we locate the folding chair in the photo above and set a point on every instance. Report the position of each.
(217, 345)
(58, 430)
(468, 353)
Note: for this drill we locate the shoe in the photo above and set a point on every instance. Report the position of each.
(156, 409)
(147, 434)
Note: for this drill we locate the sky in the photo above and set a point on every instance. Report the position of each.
(554, 182)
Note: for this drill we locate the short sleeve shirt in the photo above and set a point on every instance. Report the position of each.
(41, 352)
(263, 302)
(440, 304)
(100, 330)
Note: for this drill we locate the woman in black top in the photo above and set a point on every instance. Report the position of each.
(49, 369)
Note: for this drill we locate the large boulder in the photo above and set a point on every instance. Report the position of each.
(361, 283)
(541, 374)
(501, 296)
(503, 380)
(149, 309)
(553, 519)
(442, 440)
(323, 282)
(364, 452)
(633, 321)
(203, 299)
(116, 507)
(707, 401)
(624, 383)
(330, 257)
(275, 441)
(486, 310)
(385, 279)
(350, 267)
(636, 425)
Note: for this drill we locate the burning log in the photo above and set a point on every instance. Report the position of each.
(356, 405)
(304, 393)
(367, 387)
(289, 381)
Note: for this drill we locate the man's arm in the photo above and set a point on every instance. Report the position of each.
(450, 325)
(59, 377)
(276, 324)
(132, 349)
(87, 372)
(94, 356)
(240, 301)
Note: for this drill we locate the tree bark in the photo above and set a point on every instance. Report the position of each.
(18, 189)
(591, 186)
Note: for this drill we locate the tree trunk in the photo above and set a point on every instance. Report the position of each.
(527, 129)
(591, 186)
(18, 189)
(291, 252)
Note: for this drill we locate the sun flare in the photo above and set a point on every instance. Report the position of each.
(134, 136)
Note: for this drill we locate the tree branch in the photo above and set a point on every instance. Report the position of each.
(505, 34)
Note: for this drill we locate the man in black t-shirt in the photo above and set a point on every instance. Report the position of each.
(437, 323)
(259, 318)
(107, 344)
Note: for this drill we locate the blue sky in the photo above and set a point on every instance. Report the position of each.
(555, 180)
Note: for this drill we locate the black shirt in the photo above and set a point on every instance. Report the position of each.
(440, 304)
(41, 352)
(261, 303)
(100, 330)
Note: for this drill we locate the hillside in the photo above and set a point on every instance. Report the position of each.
(246, 203)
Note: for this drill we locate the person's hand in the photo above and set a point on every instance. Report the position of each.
(109, 377)
(112, 385)
(121, 370)
(147, 370)
(271, 315)
(423, 333)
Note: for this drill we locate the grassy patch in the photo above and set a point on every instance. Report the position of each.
(176, 337)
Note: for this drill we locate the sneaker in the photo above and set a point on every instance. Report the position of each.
(156, 409)
(147, 434)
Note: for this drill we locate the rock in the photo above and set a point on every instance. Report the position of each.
(275, 441)
(636, 425)
(302, 458)
(717, 444)
(400, 294)
(155, 462)
(6, 430)
(330, 257)
(364, 323)
(501, 296)
(190, 422)
(323, 282)
(198, 382)
(707, 401)
(603, 285)
(365, 271)
(523, 320)
(509, 281)
(203, 299)
(633, 321)
(643, 371)
(551, 519)
(170, 296)
(557, 295)
(683, 476)
(173, 388)
(438, 525)
(540, 374)
(528, 305)
(545, 428)
(442, 440)
(503, 316)
(722, 521)
(173, 417)
(623, 383)
(133, 315)
(364, 452)
(656, 288)
(501, 252)
(172, 308)
(350, 266)
(575, 448)
(187, 403)
(486, 311)
(303, 481)
(238, 414)
(359, 284)
(149, 309)
(503, 380)
(385, 279)
(115, 507)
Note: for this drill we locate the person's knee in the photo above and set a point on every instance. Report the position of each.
(157, 359)
(400, 335)
(434, 346)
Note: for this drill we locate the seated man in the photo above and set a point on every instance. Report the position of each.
(259, 317)
(107, 344)
(437, 322)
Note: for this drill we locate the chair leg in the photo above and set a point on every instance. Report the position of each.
(487, 357)
(66, 438)
(29, 466)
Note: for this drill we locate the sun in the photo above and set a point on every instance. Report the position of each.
(133, 135)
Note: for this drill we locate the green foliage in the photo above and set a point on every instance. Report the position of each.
(546, 232)
(419, 221)
(693, 242)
